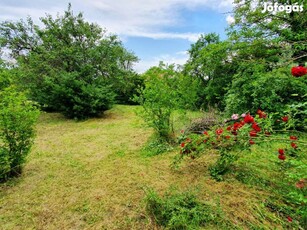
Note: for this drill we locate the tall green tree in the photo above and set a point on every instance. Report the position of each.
(69, 65)
(276, 36)
(212, 64)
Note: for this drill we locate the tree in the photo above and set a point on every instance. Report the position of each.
(69, 65)
(211, 62)
(272, 35)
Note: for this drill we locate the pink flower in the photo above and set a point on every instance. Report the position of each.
(235, 116)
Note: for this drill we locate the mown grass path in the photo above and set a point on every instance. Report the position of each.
(92, 175)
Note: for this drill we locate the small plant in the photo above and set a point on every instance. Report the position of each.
(180, 210)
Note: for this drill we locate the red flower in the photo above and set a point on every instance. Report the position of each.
(293, 138)
(251, 142)
(219, 131)
(182, 145)
(285, 118)
(261, 114)
(253, 133)
(256, 127)
(293, 145)
(227, 137)
(248, 119)
(281, 151)
(206, 133)
(282, 157)
(289, 219)
(298, 71)
(237, 125)
(228, 128)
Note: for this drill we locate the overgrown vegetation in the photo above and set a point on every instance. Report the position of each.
(182, 211)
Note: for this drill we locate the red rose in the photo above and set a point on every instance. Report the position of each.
(253, 133)
(293, 145)
(219, 131)
(256, 127)
(285, 118)
(298, 71)
(293, 138)
(282, 157)
(237, 125)
(281, 151)
(248, 119)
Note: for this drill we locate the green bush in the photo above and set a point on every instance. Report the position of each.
(166, 90)
(76, 98)
(180, 211)
(17, 119)
(255, 87)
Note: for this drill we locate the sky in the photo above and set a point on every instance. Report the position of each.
(154, 30)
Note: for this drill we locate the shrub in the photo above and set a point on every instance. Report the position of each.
(166, 90)
(180, 210)
(17, 119)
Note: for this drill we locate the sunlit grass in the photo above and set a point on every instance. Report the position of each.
(93, 175)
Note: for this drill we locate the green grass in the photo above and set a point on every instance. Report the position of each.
(93, 175)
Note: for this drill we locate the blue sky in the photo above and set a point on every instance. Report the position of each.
(155, 30)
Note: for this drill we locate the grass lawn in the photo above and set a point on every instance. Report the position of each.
(93, 175)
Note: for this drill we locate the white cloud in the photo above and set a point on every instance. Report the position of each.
(139, 18)
(230, 19)
(178, 58)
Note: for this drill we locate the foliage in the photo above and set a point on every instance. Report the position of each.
(209, 62)
(180, 210)
(166, 90)
(272, 91)
(236, 136)
(69, 65)
(17, 120)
